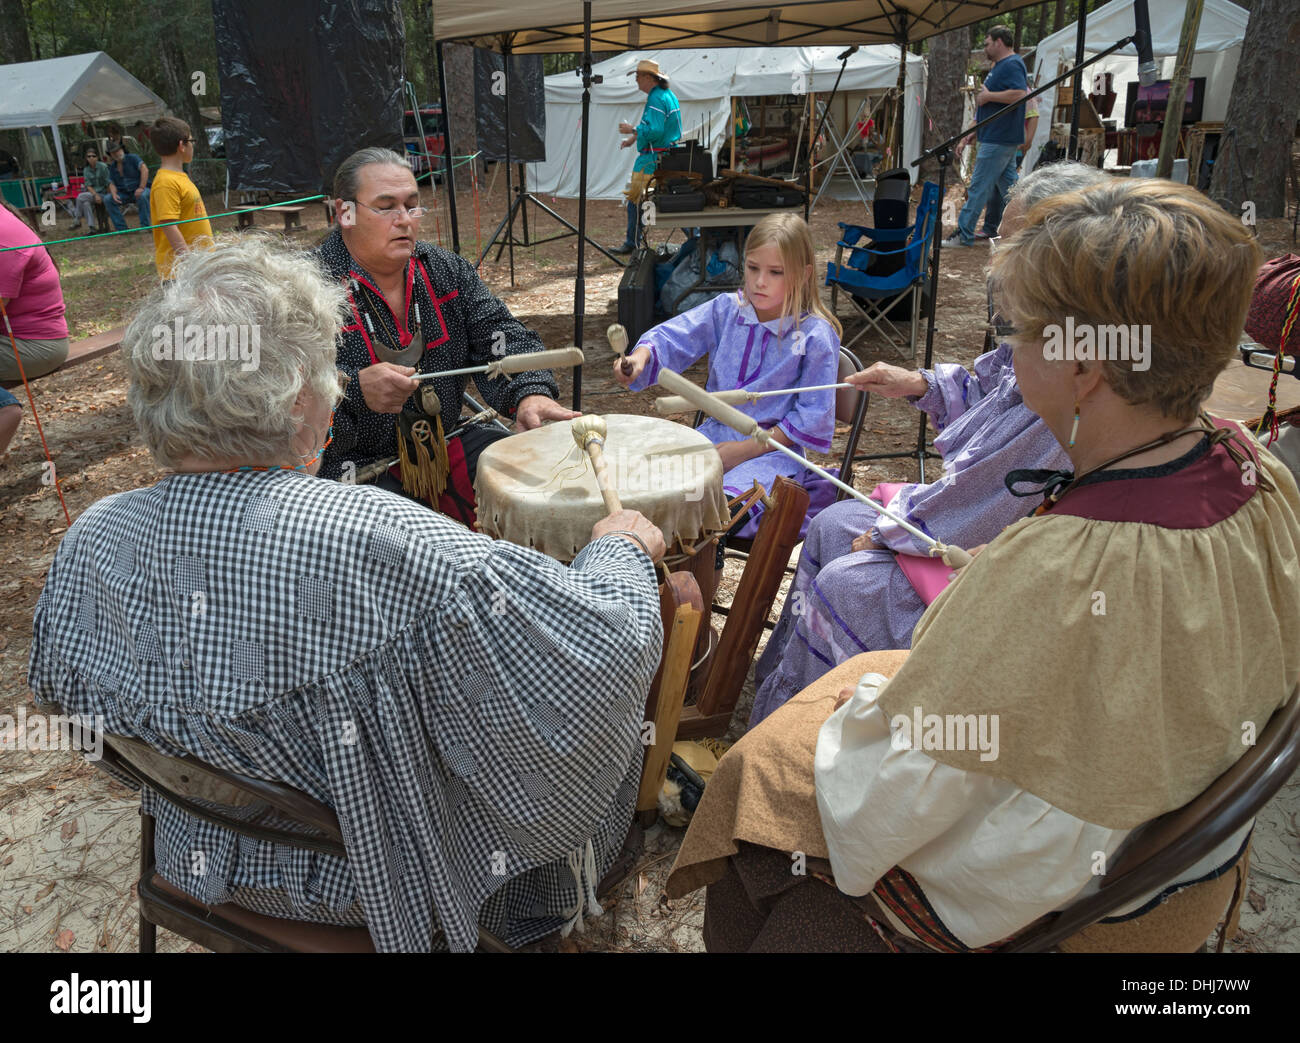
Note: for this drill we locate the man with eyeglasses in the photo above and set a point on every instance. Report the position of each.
(174, 197)
(414, 307)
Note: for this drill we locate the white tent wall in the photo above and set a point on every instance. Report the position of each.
(1218, 48)
(70, 89)
(704, 81)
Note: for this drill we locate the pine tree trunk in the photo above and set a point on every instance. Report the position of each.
(1042, 26)
(460, 103)
(949, 55)
(176, 74)
(1252, 166)
(1058, 20)
(16, 46)
(1019, 29)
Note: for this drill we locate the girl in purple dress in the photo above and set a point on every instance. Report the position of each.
(775, 333)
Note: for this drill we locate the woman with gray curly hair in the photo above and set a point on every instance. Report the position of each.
(459, 702)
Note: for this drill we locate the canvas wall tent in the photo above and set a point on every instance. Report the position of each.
(705, 81)
(69, 90)
(1218, 47)
(551, 26)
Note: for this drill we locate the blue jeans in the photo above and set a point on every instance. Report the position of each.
(115, 210)
(995, 168)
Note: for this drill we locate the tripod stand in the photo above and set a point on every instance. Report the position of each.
(522, 197)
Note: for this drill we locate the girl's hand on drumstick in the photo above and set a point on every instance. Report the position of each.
(638, 359)
(890, 381)
(386, 386)
(626, 128)
(633, 521)
(845, 695)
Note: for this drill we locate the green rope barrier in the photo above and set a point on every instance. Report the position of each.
(468, 158)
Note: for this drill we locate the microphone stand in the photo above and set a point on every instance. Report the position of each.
(826, 110)
(942, 154)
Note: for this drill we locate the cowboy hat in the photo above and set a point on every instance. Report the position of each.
(652, 67)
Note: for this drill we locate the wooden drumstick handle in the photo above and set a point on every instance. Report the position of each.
(589, 432)
(607, 491)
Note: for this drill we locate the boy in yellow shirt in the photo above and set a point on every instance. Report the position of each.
(174, 196)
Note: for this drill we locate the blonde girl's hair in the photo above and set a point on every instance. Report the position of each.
(790, 234)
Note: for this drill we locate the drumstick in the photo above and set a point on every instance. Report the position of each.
(670, 404)
(557, 358)
(589, 432)
(747, 425)
(617, 337)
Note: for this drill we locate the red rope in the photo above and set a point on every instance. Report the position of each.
(35, 416)
(1288, 324)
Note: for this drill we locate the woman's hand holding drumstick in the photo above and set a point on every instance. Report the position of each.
(747, 425)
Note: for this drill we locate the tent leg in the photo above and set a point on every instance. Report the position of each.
(448, 167)
(1080, 36)
(580, 281)
(58, 149)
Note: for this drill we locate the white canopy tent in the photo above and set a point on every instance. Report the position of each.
(69, 90)
(705, 81)
(1218, 48)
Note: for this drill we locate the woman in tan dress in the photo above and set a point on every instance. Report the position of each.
(1094, 668)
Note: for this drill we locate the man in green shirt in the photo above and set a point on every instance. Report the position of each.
(96, 187)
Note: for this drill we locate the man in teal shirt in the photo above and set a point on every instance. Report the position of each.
(658, 131)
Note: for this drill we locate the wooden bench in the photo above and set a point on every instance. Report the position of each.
(85, 350)
(292, 223)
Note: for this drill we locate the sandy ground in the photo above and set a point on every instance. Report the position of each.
(69, 836)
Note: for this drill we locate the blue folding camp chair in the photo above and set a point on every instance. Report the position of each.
(891, 270)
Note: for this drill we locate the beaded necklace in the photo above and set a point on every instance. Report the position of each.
(329, 437)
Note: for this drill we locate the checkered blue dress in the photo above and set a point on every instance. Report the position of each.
(469, 708)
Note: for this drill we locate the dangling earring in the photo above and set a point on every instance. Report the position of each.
(1074, 430)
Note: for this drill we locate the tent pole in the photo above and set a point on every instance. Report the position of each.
(510, 209)
(448, 167)
(1080, 36)
(902, 94)
(58, 148)
(580, 281)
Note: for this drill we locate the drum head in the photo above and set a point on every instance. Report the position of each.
(538, 489)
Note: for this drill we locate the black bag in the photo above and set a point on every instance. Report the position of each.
(636, 295)
(762, 195)
(687, 202)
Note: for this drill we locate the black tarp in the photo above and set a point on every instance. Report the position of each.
(304, 85)
(527, 106)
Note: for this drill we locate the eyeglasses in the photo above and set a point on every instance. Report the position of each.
(392, 213)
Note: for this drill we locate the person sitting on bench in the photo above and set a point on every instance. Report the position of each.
(33, 301)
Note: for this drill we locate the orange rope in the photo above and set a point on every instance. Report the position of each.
(35, 416)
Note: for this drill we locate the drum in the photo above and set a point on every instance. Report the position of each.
(538, 489)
